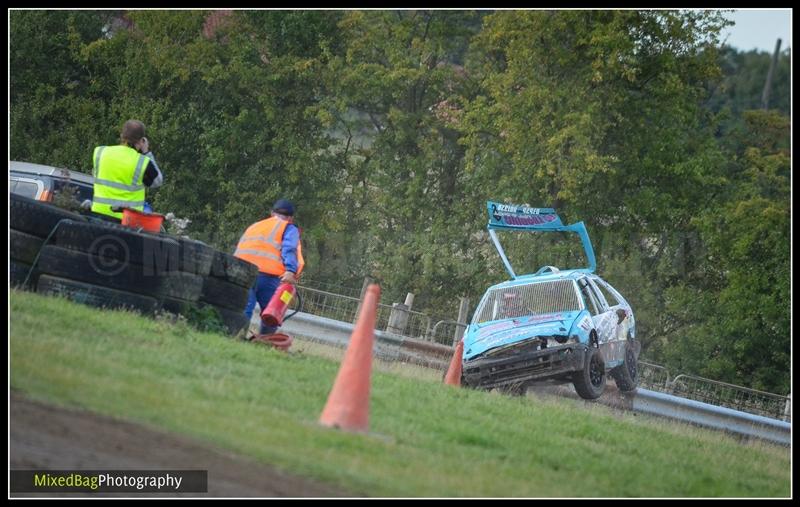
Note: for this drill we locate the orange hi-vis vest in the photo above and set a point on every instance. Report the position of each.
(261, 245)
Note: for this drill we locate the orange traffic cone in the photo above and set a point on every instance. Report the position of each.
(453, 376)
(348, 402)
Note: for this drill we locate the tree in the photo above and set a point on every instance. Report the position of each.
(52, 119)
(397, 92)
(736, 323)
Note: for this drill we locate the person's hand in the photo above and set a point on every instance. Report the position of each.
(288, 277)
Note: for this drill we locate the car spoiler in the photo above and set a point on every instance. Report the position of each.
(514, 217)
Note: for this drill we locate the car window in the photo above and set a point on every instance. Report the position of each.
(78, 191)
(25, 188)
(611, 298)
(601, 299)
(525, 300)
(589, 297)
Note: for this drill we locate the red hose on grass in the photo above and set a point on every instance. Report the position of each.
(280, 341)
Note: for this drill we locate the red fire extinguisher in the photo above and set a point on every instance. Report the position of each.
(273, 314)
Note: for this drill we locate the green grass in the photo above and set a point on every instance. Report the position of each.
(426, 439)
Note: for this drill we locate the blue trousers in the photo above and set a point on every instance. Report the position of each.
(262, 292)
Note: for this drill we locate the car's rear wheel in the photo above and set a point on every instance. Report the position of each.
(590, 382)
(626, 375)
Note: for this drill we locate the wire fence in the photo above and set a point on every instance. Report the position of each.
(421, 326)
(345, 308)
(653, 376)
(714, 392)
(333, 288)
(447, 332)
(741, 398)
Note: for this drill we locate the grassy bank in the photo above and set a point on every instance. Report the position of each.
(426, 439)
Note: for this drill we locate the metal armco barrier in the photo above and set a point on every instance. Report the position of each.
(697, 412)
(388, 346)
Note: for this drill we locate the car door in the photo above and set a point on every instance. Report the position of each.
(617, 323)
(603, 318)
(600, 317)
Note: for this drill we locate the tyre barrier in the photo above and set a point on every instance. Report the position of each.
(226, 289)
(233, 270)
(96, 295)
(234, 320)
(158, 251)
(37, 218)
(97, 270)
(24, 247)
(218, 292)
(104, 264)
(18, 272)
(31, 222)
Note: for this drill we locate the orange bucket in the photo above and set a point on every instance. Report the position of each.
(150, 222)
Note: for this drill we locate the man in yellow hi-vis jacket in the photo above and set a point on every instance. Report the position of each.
(122, 172)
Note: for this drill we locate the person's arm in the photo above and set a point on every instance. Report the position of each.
(291, 238)
(153, 177)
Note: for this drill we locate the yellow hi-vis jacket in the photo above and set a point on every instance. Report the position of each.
(118, 179)
(261, 245)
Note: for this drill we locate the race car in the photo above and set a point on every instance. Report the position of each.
(568, 325)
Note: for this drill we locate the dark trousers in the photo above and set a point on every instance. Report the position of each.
(262, 292)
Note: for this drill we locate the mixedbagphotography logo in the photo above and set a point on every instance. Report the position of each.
(109, 481)
(108, 255)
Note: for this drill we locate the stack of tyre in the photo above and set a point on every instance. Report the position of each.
(30, 224)
(107, 265)
(226, 288)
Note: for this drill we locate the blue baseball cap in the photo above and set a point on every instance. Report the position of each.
(284, 207)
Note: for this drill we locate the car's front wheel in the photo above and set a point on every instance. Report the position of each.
(590, 382)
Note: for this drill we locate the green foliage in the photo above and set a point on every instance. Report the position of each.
(390, 130)
(200, 317)
(596, 114)
(736, 321)
(67, 197)
(745, 74)
(52, 120)
(205, 318)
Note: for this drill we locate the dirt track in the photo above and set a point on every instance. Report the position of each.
(47, 437)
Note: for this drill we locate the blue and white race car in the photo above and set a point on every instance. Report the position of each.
(569, 325)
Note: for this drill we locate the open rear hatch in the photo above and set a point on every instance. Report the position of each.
(516, 217)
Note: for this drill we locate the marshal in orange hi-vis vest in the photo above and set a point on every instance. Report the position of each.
(261, 245)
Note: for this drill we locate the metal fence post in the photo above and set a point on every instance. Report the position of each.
(463, 310)
(398, 319)
(367, 282)
(409, 300)
(787, 409)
